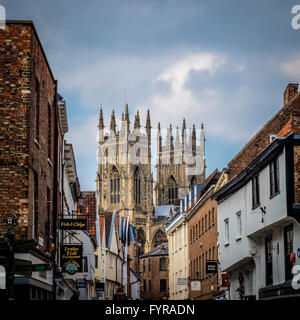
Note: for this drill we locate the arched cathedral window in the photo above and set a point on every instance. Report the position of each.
(173, 190)
(193, 182)
(137, 186)
(114, 186)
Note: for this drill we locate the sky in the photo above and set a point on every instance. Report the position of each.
(224, 63)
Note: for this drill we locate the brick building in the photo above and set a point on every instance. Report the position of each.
(30, 130)
(203, 240)
(155, 274)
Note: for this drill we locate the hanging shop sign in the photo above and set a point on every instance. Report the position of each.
(71, 258)
(72, 224)
(10, 220)
(225, 280)
(211, 267)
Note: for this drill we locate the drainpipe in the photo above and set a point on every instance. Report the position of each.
(55, 171)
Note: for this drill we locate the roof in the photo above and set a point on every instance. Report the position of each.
(161, 250)
(255, 166)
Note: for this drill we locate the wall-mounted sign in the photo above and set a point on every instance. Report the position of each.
(99, 286)
(183, 282)
(71, 258)
(211, 267)
(81, 283)
(195, 285)
(72, 224)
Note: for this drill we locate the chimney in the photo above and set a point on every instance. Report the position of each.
(289, 93)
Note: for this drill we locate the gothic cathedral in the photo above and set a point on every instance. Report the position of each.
(125, 180)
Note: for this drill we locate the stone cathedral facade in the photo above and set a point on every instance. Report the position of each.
(125, 180)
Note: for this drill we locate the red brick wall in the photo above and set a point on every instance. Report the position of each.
(208, 237)
(155, 275)
(21, 62)
(262, 138)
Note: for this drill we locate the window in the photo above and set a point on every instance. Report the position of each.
(191, 234)
(144, 285)
(238, 225)
(205, 222)
(114, 186)
(209, 218)
(85, 264)
(163, 285)
(213, 253)
(213, 215)
(199, 228)
(274, 177)
(137, 186)
(196, 230)
(162, 264)
(173, 191)
(144, 265)
(226, 224)
(96, 261)
(202, 225)
(149, 266)
(255, 192)
(149, 285)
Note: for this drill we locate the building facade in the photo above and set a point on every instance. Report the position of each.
(203, 241)
(154, 273)
(258, 210)
(31, 128)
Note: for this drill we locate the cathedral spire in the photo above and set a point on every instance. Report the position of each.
(158, 140)
(177, 141)
(127, 117)
(194, 140)
(137, 124)
(202, 141)
(171, 138)
(183, 137)
(148, 121)
(113, 122)
(101, 121)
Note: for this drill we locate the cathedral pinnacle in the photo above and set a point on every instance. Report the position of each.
(101, 121)
(113, 122)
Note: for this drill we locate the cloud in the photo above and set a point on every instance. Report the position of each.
(292, 67)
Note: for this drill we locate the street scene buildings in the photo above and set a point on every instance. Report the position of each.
(187, 234)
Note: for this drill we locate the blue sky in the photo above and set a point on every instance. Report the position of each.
(223, 63)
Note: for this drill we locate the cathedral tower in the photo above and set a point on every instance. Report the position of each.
(179, 166)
